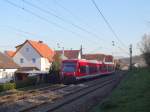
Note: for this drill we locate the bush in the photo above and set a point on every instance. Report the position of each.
(28, 82)
(54, 77)
(7, 86)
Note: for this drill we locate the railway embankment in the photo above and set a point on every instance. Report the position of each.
(132, 95)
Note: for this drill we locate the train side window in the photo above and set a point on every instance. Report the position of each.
(100, 68)
(108, 68)
(104, 68)
(83, 69)
(90, 69)
(93, 69)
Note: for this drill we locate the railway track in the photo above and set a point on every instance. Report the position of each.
(7, 105)
(68, 93)
(72, 94)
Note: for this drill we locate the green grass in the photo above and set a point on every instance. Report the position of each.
(132, 95)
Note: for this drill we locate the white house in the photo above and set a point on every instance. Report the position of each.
(34, 54)
(7, 68)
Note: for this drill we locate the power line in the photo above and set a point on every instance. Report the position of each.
(64, 20)
(46, 20)
(71, 13)
(40, 17)
(25, 32)
(108, 24)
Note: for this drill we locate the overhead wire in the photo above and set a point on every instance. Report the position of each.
(102, 15)
(108, 24)
(47, 20)
(84, 22)
(25, 32)
(64, 20)
(42, 18)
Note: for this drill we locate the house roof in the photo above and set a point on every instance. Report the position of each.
(9, 53)
(40, 47)
(6, 62)
(98, 57)
(108, 58)
(23, 69)
(70, 54)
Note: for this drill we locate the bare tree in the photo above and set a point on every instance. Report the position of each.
(145, 48)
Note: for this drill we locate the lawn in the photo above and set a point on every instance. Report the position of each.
(132, 95)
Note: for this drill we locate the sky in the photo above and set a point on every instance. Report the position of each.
(72, 23)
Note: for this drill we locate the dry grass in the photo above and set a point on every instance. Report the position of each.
(36, 96)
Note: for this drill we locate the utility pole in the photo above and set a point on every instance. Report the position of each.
(113, 51)
(113, 45)
(130, 50)
(81, 51)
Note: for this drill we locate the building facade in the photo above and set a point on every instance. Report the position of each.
(34, 54)
(7, 68)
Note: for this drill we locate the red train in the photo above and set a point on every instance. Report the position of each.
(76, 69)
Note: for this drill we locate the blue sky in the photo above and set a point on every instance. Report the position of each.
(129, 18)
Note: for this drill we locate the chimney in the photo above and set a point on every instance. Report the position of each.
(40, 41)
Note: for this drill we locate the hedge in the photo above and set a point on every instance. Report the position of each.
(7, 86)
(28, 82)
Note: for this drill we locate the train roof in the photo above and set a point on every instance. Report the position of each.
(74, 60)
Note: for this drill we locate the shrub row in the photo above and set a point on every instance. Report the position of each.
(19, 84)
(29, 82)
(7, 86)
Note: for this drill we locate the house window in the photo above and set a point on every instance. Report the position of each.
(21, 60)
(27, 49)
(33, 60)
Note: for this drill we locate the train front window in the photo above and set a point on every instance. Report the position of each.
(69, 67)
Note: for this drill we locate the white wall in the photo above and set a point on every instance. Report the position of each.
(41, 63)
(27, 56)
(45, 64)
(6, 75)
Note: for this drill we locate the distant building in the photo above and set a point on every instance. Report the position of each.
(33, 54)
(69, 54)
(7, 68)
(9, 53)
(98, 57)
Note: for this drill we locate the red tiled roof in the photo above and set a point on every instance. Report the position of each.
(40, 47)
(108, 58)
(99, 57)
(6, 62)
(70, 54)
(9, 53)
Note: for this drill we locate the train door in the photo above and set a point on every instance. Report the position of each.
(82, 69)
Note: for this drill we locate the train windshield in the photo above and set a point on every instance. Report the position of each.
(69, 67)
